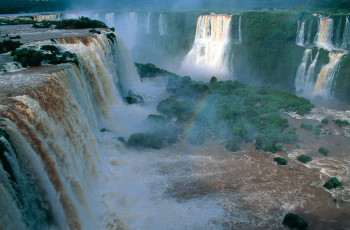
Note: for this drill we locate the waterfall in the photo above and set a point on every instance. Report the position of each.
(48, 152)
(162, 24)
(300, 34)
(106, 67)
(54, 156)
(110, 19)
(301, 77)
(325, 33)
(47, 17)
(346, 36)
(148, 23)
(239, 29)
(209, 50)
(308, 42)
(325, 78)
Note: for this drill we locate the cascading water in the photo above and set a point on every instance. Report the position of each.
(162, 24)
(49, 155)
(325, 78)
(346, 36)
(148, 23)
(240, 30)
(209, 50)
(47, 17)
(110, 19)
(300, 33)
(325, 33)
(308, 41)
(301, 73)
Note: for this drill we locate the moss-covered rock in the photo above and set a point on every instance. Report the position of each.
(304, 159)
(323, 151)
(280, 160)
(293, 221)
(9, 45)
(332, 183)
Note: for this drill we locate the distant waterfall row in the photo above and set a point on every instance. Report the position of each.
(48, 122)
(315, 34)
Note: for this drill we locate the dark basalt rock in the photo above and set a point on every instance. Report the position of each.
(294, 221)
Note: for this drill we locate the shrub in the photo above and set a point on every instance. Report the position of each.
(213, 80)
(306, 126)
(317, 131)
(332, 183)
(81, 23)
(8, 45)
(304, 159)
(325, 121)
(323, 151)
(292, 220)
(280, 161)
(28, 57)
(341, 123)
(51, 48)
(232, 146)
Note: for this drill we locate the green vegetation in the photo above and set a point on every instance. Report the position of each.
(293, 221)
(304, 159)
(95, 31)
(306, 126)
(133, 99)
(317, 131)
(233, 111)
(323, 151)
(232, 146)
(280, 160)
(8, 45)
(151, 71)
(341, 123)
(81, 23)
(332, 183)
(49, 53)
(325, 121)
(268, 43)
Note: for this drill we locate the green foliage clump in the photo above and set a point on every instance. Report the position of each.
(173, 108)
(325, 121)
(280, 160)
(133, 99)
(323, 151)
(32, 57)
(81, 23)
(28, 57)
(262, 143)
(317, 131)
(341, 123)
(306, 126)
(293, 221)
(51, 48)
(151, 71)
(332, 183)
(304, 159)
(232, 146)
(8, 45)
(42, 25)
